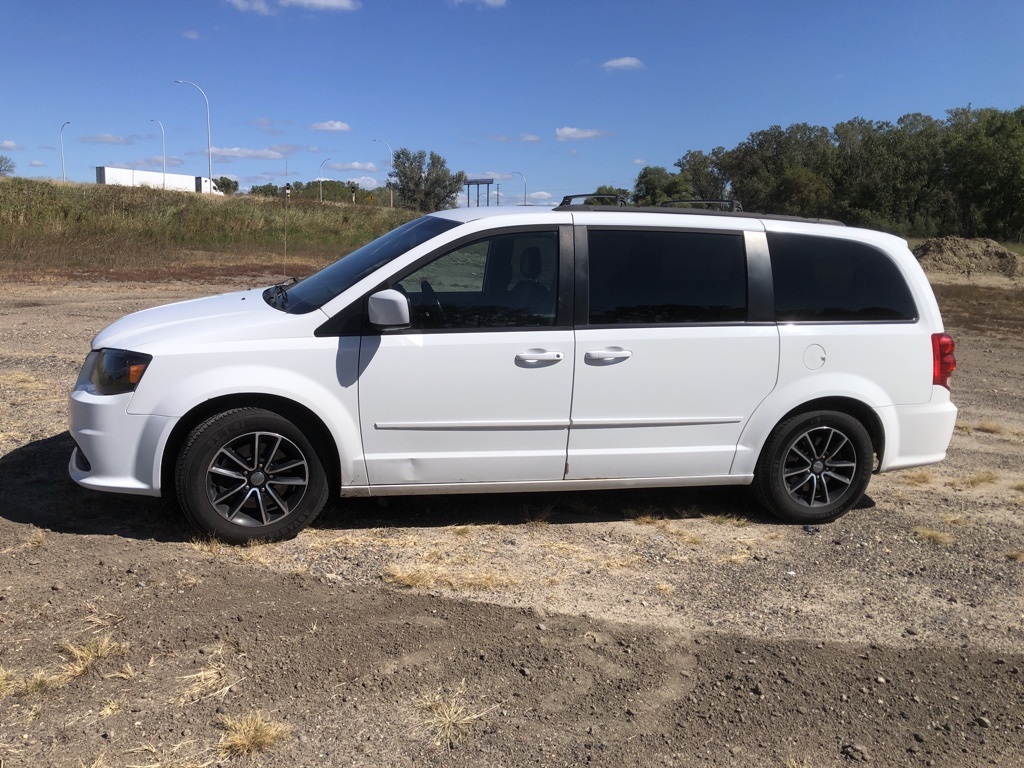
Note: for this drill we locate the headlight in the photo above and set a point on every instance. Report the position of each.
(112, 371)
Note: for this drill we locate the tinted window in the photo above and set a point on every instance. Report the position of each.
(505, 281)
(825, 279)
(666, 277)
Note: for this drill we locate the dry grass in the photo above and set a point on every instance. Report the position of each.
(209, 683)
(1016, 556)
(1018, 487)
(447, 718)
(931, 536)
(82, 658)
(954, 519)
(990, 428)
(973, 481)
(666, 589)
(537, 515)
(41, 681)
(124, 673)
(7, 684)
(36, 538)
(175, 760)
(731, 520)
(921, 476)
(250, 734)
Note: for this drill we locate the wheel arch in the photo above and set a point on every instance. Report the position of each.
(320, 436)
(858, 409)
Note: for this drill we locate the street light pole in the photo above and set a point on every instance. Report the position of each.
(517, 173)
(209, 142)
(63, 175)
(391, 154)
(163, 148)
(320, 178)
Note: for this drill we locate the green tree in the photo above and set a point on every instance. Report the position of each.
(705, 179)
(6, 165)
(265, 190)
(654, 185)
(226, 185)
(425, 186)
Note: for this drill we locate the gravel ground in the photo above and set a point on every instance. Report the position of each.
(642, 628)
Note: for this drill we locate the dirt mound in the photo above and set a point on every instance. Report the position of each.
(963, 256)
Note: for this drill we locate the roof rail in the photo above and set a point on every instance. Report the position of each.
(730, 205)
(618, 200)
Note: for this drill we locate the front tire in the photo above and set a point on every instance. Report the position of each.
(250, 474)
(814, 467)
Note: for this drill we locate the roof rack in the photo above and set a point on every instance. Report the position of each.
(729, 205)
(618, 200)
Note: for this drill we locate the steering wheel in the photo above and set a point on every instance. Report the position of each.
(430, 299)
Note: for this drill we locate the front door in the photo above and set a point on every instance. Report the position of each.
(478, 389)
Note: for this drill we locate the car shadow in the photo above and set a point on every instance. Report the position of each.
(38, 491)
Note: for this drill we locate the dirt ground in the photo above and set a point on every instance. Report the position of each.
(668, 628)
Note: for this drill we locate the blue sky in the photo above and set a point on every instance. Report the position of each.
(571, 94)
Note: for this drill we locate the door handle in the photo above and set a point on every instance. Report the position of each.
(612, 353)
(539, 356)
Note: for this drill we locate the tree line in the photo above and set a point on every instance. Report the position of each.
(920, 176)
(416, 181)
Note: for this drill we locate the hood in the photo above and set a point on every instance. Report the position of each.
(234, 316)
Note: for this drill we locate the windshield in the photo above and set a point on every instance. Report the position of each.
(319, 288)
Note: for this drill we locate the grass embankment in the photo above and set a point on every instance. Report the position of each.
(91, 230)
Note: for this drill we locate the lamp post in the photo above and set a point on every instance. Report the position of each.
(320, 178)
(163, 148)
(209, 142)
(63, 175)
(517, 173)
(391, 154)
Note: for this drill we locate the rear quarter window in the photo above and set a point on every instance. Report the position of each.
(825, 279)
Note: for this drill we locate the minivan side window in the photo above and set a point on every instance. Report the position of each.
(825, 279)
(504, 281)
(663, 277)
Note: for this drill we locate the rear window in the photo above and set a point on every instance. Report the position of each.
(652, 277)
(824, 279)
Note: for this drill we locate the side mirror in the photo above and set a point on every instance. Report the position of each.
(389, 309)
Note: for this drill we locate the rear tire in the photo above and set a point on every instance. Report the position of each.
(250, 474)
(814, 467)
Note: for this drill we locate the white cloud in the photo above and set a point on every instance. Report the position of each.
(107, 138)
(639, 161)
(539, 197)
(483, 3)
(525, 138)
(256, 6)
(247, 154)
(323, 5)
(8, 144)
(37, 164)
(369, 167)
(269, 126)
(567, 133)
(156, 162)
(190, 34)
(331, 125)
(626, 62)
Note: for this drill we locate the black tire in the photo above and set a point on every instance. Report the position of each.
(814, 467)
(250, 474)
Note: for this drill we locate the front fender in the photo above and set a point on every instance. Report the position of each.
(318, 374)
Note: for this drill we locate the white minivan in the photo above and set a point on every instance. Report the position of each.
(525, 349)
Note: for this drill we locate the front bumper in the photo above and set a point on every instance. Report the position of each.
(115, 450)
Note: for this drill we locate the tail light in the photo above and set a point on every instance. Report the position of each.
(943, 359)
